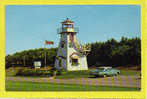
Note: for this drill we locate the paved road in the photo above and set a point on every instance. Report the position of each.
(123, 81)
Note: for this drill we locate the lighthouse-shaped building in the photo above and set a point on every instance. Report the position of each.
(71, 55)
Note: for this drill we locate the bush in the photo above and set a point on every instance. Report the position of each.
(33, 72)
(54, 71)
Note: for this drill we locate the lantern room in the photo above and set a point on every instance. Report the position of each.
(67, 27)
(67, 23)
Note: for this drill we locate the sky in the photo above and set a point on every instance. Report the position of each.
(28, 26)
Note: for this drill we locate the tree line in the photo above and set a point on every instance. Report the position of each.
(126, 52)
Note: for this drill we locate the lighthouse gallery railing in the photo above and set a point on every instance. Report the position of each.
(63, 30)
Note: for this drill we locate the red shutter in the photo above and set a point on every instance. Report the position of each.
(71, 37)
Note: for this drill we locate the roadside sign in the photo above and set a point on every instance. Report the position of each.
(37, 64)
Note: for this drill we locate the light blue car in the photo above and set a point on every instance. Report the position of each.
(104, 71)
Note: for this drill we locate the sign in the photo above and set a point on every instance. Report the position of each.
(37, 64)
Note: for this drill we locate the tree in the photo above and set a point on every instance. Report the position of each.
(127, 51)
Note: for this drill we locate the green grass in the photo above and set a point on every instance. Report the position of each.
(85, 74)
(129, 72)
(74, 74)
(77, 74)
(33, 86)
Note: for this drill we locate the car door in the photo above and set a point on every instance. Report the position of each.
(110, 71)
(107, 72)
(113, 72)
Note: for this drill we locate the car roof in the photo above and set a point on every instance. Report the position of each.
(105, 67)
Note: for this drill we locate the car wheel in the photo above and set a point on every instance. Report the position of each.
(105, 76)
(117, 74)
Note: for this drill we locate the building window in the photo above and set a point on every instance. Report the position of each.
(75, 62)
(62, 44)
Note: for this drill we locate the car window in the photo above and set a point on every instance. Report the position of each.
(101, 69)
(108, 69)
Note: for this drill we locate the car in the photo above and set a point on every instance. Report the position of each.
(105, 71)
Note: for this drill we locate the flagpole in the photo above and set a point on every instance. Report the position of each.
(50, 43)
(45, 55)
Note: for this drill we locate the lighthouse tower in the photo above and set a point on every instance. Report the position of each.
(71, 55)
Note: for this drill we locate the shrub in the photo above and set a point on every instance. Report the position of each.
(33, 72)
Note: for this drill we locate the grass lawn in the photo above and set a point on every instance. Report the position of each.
(76, 74)
(33, 86)
(85, 74)
(129, 72)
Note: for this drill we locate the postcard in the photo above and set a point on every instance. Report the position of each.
(53, 49)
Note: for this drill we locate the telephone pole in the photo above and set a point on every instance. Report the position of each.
(24, 62)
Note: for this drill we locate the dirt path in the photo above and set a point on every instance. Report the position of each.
(123, 81)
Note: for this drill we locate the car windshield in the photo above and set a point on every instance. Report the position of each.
(100, 69)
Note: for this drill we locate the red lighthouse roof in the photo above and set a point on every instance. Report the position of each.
(67, 21)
